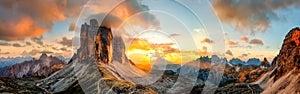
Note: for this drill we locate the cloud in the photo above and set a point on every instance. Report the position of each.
(251, 15)
(231, 42)
(17, 45)
(121, 13)
(228, 52)
(27, 19)
(174, 35)
(143, 44)
(4, 43)
(256, 41)
(38, 40)
(165, 47)
(244, 39)
(207, 40)
(30, 53)
(65, 42)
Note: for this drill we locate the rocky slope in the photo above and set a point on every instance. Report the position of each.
(97, 66)
(284, 76)
(42, 67)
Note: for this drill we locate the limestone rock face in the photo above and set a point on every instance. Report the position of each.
(289, 55)
(104, 45)
(284, 77)
(87, 39)
(119, 50)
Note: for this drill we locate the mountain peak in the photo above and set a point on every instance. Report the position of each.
(296, 36)
(43, 56)
(289, 55)
(293, 37)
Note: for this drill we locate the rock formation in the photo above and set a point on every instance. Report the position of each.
(93, 67)
(87, 39)
(42, 67)
(264, 63)
(285, 77)
(104, 45)
(288, 58)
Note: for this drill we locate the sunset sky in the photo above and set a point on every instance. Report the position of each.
(253, 28)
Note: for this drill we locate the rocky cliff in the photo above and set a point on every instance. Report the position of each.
(95, 65)
(284, 76)
(288, 58)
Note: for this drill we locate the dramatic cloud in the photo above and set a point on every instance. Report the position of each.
(231, 42)
(17, 45)
(250, 15)
(256, 41)
(143, 44)
(207, 40)
(244, 39)
(65, 42)
(122, 12)
(20, 19)
(38, 40)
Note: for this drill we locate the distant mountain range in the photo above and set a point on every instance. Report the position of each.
(41, 67)
(234, 61)
(5, 62)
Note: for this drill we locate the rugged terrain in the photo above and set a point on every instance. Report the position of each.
(101, 66)
(42, 67)
(284, 76)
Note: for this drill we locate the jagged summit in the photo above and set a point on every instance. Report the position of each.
(284, 76)
(289, 55)
(264, 63)
(42, 67)
(43, 56)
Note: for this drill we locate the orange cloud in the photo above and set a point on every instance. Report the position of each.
(20, 19)
(207, 40)
(244, 38)
(231, 42)
(141, 44)
(257, 42)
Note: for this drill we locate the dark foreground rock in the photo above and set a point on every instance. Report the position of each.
(20, 86)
